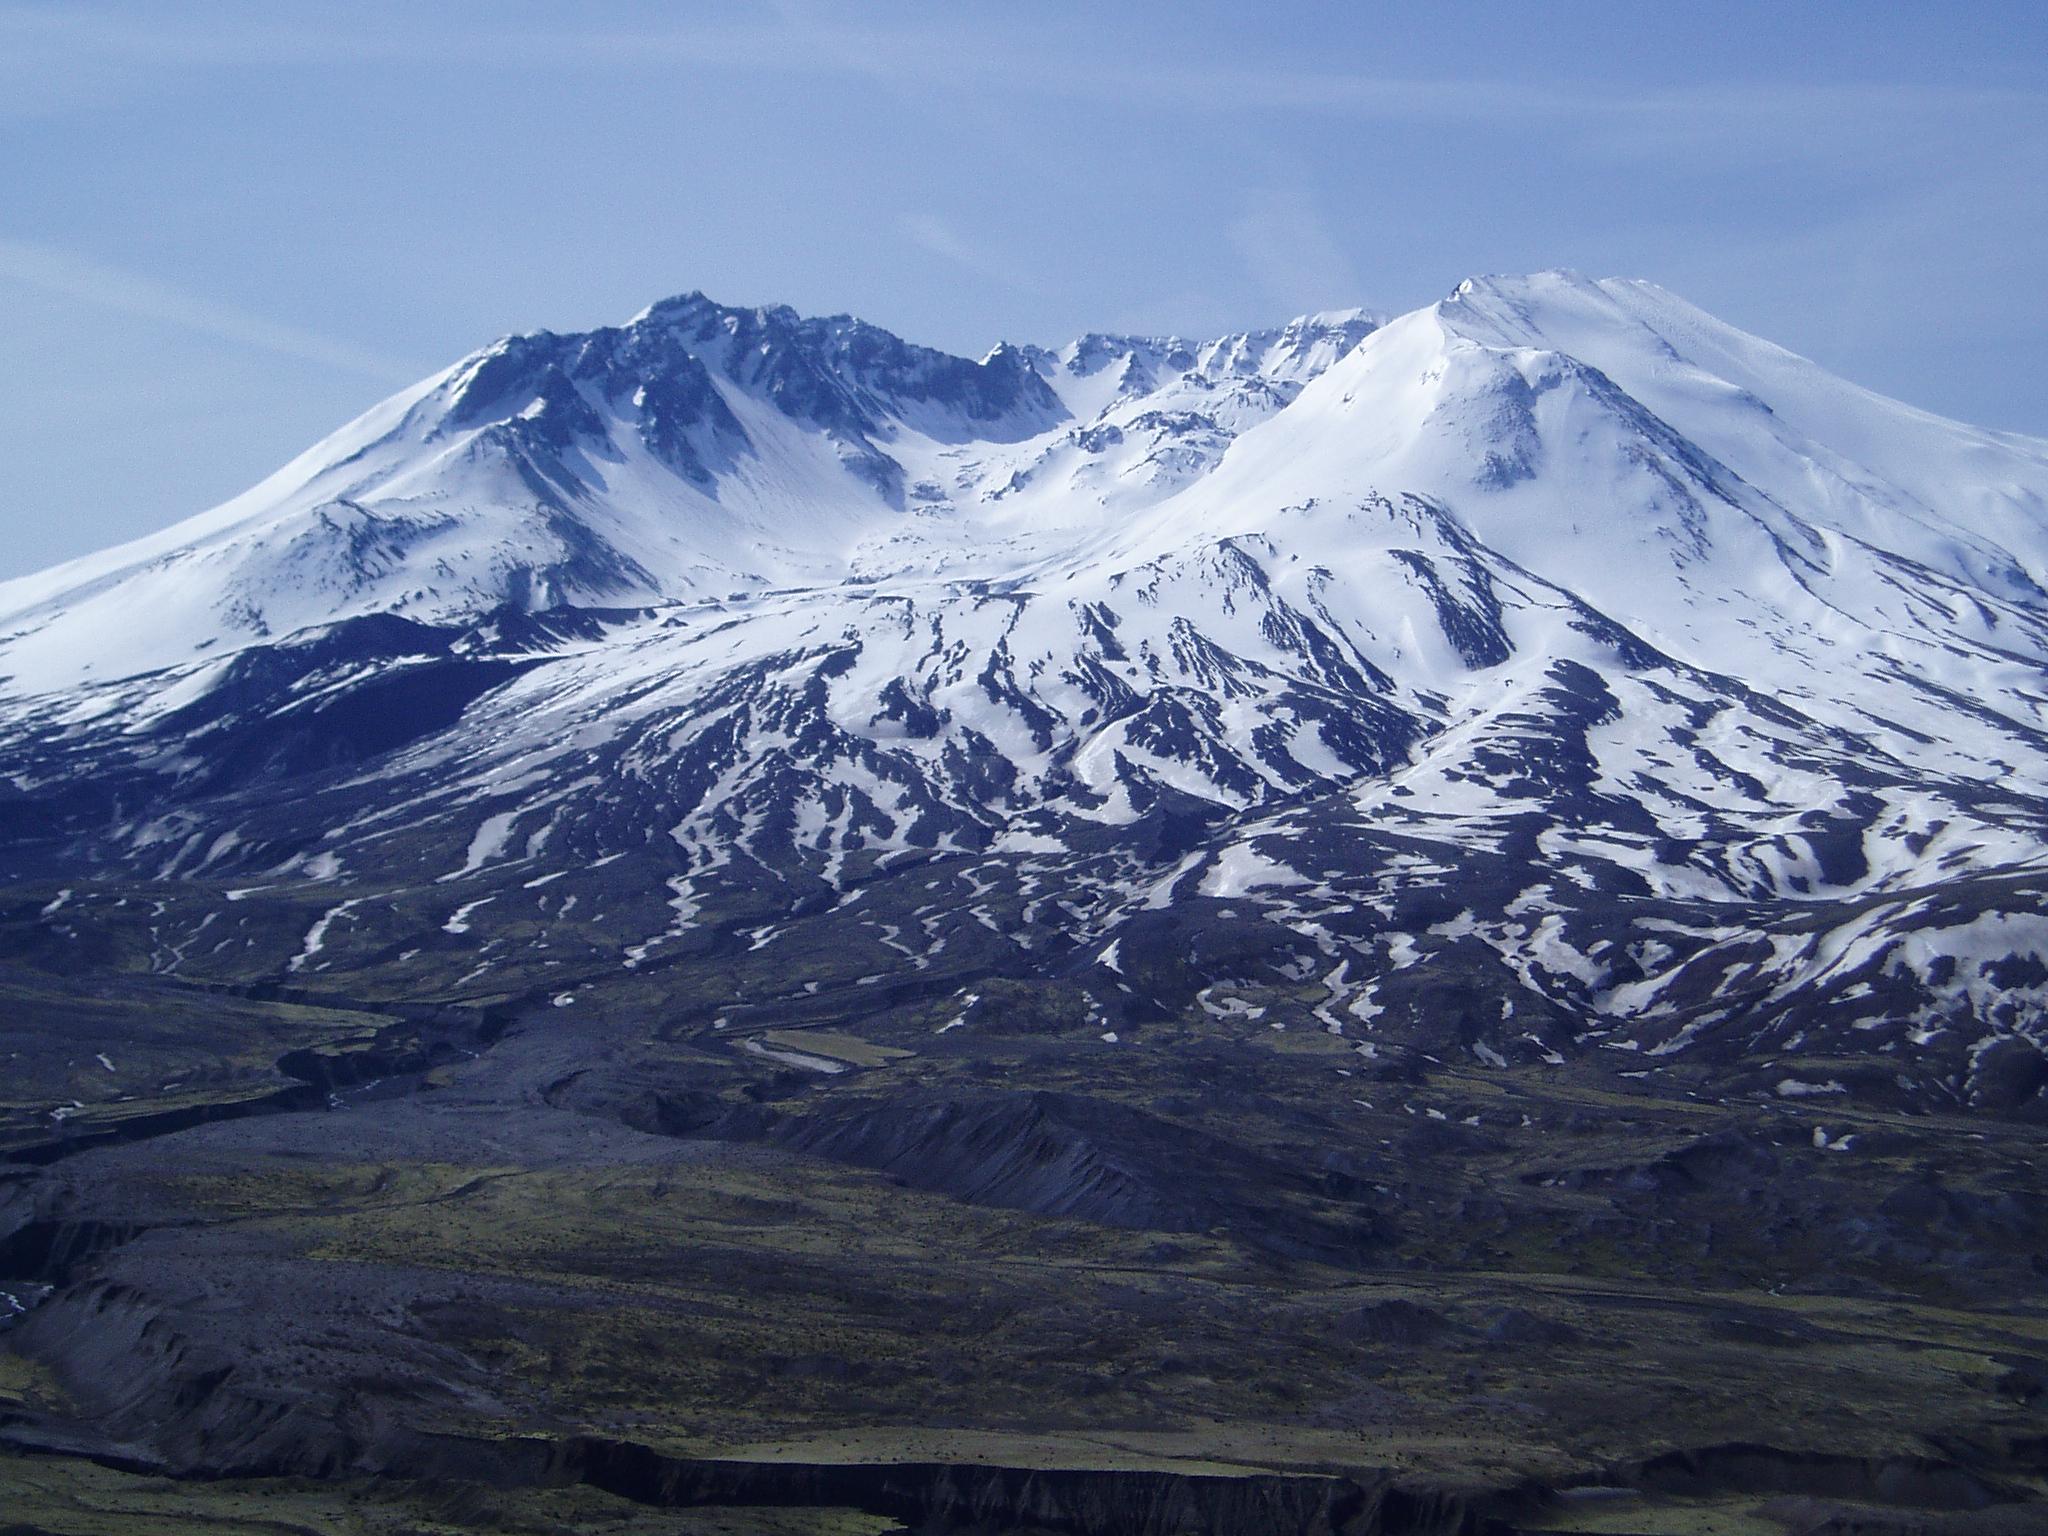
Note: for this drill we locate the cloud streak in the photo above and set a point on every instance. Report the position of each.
(936, 237)
(52, 271)
(813, 40)
(1289, 249)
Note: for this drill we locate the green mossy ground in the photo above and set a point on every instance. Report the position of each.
(40, 1496)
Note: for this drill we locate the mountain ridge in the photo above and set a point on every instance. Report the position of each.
(524, 439)
(464, 414)
(1554, 632)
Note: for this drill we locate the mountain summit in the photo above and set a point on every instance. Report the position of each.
(1556, 643)
(698, 448)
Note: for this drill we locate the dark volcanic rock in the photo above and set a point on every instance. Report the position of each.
(1059, 1154)
(1397, 1322)
(1518, 1325)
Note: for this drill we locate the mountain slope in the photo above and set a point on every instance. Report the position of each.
(1547, 670)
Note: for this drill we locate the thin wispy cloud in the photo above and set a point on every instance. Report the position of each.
(936, 236)
(1291, 251)
(67, 275)
(931, 233)
(811, 40)
(38, 41)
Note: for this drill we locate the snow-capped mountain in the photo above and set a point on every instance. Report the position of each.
(698, 449)
(1550, 669)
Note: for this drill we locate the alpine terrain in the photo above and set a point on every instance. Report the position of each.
(1393, 923)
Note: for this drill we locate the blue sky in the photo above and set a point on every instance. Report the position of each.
(225, 229)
